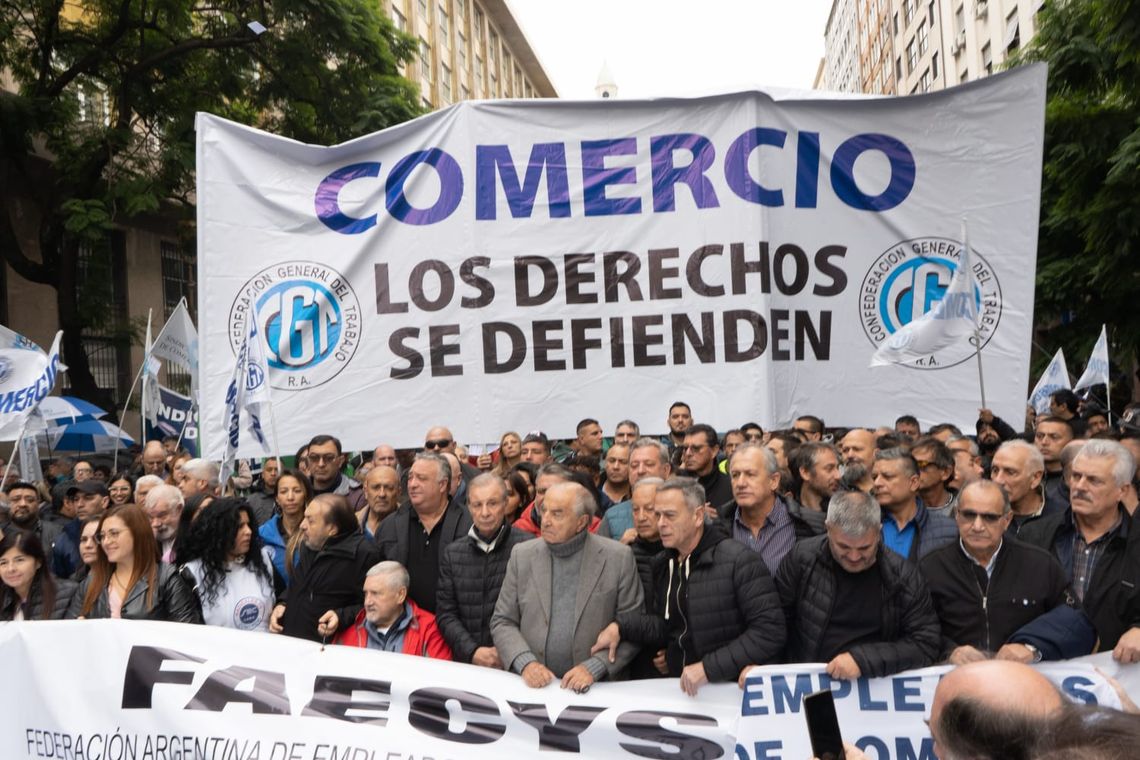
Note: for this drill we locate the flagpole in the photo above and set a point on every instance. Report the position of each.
(981, 379)
(977, 332)
(15, 449)
(146, 360)
(127, 403)
(276, 444)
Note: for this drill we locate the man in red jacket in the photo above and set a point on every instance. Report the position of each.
(390, 621)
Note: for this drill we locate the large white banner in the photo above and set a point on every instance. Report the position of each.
(885, 717)
(127, 690)
(117, 688)
(521, 265)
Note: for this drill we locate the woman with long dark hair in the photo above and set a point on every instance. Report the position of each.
(233, 572)
(88, 547)
(27, 589)
(127, 581)
(121, 489)
(185, 548)
(282, 532)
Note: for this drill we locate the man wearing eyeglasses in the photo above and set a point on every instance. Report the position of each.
(987, 587)
(935, 471)
(326, 460)
(698, 459)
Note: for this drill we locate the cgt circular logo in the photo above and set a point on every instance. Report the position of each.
(308, 316)
(909, 278)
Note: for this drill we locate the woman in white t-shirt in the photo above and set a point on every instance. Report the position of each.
(233, 572)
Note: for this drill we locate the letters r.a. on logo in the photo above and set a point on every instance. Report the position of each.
(309, 318)
(908, 279)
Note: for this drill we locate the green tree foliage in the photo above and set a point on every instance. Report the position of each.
(97, 120)
(1088, 261)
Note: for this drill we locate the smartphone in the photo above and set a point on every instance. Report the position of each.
(823, 726)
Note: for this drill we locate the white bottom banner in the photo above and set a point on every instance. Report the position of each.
(124, 690)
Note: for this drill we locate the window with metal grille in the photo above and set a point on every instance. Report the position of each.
(107, 341)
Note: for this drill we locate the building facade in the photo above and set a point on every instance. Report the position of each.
(928, 44)
(469, 49)
(841, 61)
(876, 52)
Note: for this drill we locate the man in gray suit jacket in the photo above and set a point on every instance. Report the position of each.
(560, 592)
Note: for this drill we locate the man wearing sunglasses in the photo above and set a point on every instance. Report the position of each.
(989, 589)
(326, 460)
(439, 440)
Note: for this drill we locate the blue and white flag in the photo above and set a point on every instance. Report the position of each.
(27, 376)
(244, 397)
(1096, 371)
(953, 320)
(178, 417)
(151, 399)
(1055, 378)
(177, 343)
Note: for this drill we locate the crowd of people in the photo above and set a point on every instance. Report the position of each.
(691, 556)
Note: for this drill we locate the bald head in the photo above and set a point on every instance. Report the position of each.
(1012, 701)
(154, 459)
(439, 439)
(858, 447)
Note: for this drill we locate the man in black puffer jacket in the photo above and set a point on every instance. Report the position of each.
(471, 571)
(849, 603)
(327, 590)
(715, 607)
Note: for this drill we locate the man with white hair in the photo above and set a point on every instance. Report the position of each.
(560, 592)
(143, 486)
(390, 621)
(1097, 545)
(1018, 467)
(199, 476)
(164, 510)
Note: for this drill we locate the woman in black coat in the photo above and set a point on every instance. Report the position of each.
(127, 581)
(27, 589)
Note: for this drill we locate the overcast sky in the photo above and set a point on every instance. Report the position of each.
(675, 47)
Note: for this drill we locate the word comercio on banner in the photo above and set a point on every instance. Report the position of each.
(496, 160)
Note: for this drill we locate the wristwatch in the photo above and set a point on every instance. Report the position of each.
(1033, 651)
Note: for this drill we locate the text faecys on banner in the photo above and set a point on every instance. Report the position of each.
(163, 690)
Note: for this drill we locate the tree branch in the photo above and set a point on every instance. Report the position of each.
(190, 45)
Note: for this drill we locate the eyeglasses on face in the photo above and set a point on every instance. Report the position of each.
(969, 516)
(322, 458)
(112, 534)
(438, 443)
(696, 448)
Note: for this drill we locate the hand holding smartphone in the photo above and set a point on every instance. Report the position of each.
(823, 726)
